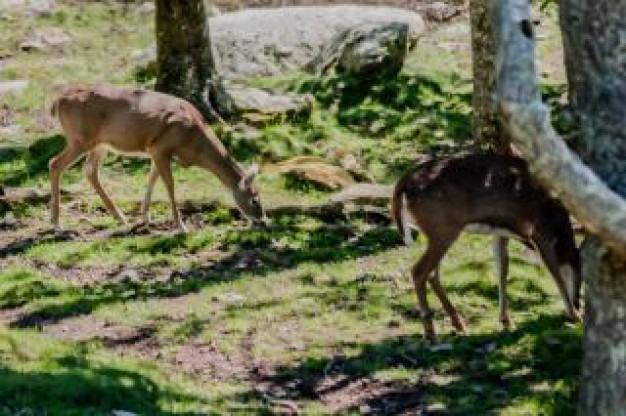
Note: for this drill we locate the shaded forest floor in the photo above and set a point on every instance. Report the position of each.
(315, 313)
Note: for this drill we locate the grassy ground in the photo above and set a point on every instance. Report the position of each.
(316, 311)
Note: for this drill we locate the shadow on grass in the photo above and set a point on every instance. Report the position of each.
(537, 363)
(76, 386)
(427, 113)
(247, 251)
(388, 100)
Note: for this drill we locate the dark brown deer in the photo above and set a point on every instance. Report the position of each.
(483, 193)
(132, 121)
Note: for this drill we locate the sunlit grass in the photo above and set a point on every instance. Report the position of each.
(95, 320)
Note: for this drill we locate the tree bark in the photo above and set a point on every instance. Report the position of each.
(486, 127)
(594, 44)
(597, 96)
(185, 65)
(600, 210)
(603, 381)
(594, 40)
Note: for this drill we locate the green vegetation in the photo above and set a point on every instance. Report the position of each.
(317, 310)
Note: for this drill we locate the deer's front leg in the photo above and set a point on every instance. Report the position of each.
(546, 249)
(92, 172)
(163, 165)
(145, 207)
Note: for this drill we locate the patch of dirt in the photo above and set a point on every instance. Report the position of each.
(87, 328)
(209, 363)
(342, 392)
(124, 340)
(11, 315)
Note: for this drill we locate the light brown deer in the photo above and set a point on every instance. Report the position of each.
(484, 193)
(137, 122)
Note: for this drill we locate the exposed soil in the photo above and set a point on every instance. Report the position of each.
(342, 392)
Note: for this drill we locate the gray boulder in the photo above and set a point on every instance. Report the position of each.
(257, 42)
(367, 50)
(273, 41)
(45, 38)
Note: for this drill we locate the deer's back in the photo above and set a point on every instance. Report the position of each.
(125, 118)
(476, 189)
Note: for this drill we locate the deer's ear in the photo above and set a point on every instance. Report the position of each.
(248, 176)
(253, 170)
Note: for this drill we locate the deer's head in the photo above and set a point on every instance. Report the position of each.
(247, 197)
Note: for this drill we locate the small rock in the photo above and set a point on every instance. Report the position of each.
(552, 340)
(42, 7)
(14, 86)
(435, 407)
(128, 275)
(441, 347)
(10, 130)
(45, 38)
(122, 413)
(247, 132)
(232, 297)
(147, 7)
(487, 348)
(238, 100)
(441, 12)
(478, 388)
(7, 4)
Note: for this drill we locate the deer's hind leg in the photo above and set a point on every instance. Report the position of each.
(422, 270)
(92, 171)
(73, 150)
(163, 166)
(455, 319)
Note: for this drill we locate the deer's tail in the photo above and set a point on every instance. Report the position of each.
(400, 212)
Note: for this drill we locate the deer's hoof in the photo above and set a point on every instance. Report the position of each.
(507, 324)
(459, 325)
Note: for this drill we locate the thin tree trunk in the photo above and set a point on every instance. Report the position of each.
(185, 66)
(486, 122)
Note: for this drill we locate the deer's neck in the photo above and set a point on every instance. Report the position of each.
(209, 153)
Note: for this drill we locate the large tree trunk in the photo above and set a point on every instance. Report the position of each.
(596, 30)
(594, 41)
(185, 66)
(595, 57)
(603, 381)
(486, 122)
